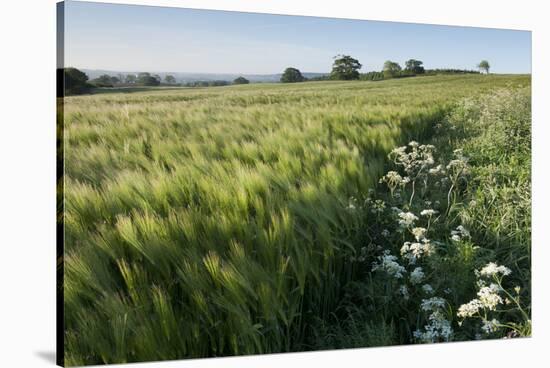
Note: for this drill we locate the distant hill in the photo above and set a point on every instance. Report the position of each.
(194, 77)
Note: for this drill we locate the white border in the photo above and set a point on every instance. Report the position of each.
(27, 180)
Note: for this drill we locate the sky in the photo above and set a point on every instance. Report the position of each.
(162, 39)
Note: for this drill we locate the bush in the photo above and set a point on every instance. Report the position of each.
(71, 81)
(241, 80)
(292, 75)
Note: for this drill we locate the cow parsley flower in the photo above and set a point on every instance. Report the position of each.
(460, 233)
(492, 269)
(469, 309)
(432, 304)
(404, 291)
(438, 328)
(489, 297)
(436, 170)
(378, 206)
(413, 251)
(428, 289)
(428, 212)
(389, 264)
(490, 326)
(417, 275)
(419, 233)
(407, 219)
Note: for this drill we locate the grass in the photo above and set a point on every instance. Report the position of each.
(216, 221)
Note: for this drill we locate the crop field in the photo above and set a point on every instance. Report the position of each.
(204, 222)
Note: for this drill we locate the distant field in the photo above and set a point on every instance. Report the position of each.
(215, 221)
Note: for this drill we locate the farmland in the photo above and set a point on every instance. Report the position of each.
(246, 219)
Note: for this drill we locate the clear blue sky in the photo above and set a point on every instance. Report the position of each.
(159, 39)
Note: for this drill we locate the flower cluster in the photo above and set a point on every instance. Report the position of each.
(458, 166)
(415, 159)
(394, 180)
(488, 297)
(437, 170)
(459, 233)
(428, 212)
(378, 206)
(490, 326)
(438, 327)
(417, 275)
(492, 269)
(469, 309)
(407, 219)
(389, 264)
(419, 233)
(414, 251)
(427, 289)
(432, 304)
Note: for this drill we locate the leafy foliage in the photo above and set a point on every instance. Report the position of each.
(292, 75)
(241, 80)
(414, 66)
(146, 79)
(391, 69)
(484, 66)
(345, 68)
(73, 81)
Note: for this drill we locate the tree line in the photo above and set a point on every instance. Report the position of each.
(72, 81)
(344, 67)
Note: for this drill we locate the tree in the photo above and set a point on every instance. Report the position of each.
(414, 66)
(72, 81)
(484, 66)
(241, 80)
(292, 75)
(391, 69)
(345, 68)
(147, 80)
(115, 80)
(130, 79)
(169, 79)
(103, 80)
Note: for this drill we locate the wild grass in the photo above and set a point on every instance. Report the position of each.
(214, 222)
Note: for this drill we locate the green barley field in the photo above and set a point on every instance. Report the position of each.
(205, 222)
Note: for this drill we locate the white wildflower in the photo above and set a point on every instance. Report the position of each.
(378, 206)
(492, 269)
(407, 219)
(389, 264)
(488, 296)
(417, 275)
(490, 326)
(469, 309)
(432, 304)
(419, 233)
(428, 289)
(428, 212)
(404, 291)
(438, 328)
(436, 170)
(413, 251)
(459, 233)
